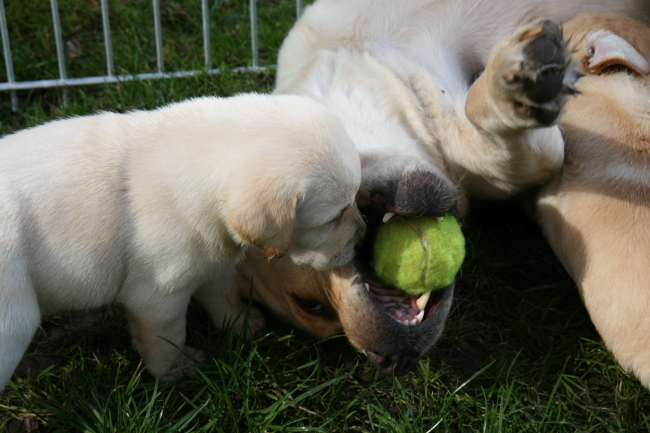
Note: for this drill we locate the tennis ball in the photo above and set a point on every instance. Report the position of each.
(419, 254)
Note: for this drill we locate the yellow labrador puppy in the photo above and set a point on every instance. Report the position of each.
(596, 213)
(445, 100)
(149, 208)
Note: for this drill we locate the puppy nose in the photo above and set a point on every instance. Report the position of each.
(398, 363)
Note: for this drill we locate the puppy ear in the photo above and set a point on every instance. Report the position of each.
(610, 51)
(265, 221)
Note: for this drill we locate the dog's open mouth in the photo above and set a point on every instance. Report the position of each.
(405, 308)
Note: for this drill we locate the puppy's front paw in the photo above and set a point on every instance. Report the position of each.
(184, 364)
(250, 322)
(534, 74)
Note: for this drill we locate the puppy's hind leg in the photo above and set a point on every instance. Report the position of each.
(19, 317)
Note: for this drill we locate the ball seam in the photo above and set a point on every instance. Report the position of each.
(425, 245)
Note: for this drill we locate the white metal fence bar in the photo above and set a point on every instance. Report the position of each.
(207, 52)
(12, 85)
(60, 51)
(83, 81)
(108, 43)
(253, 14)
(9, 64)
(158, 33)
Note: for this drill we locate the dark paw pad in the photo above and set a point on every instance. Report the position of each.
(546, 64)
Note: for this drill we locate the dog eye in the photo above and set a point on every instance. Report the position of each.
(308, 305)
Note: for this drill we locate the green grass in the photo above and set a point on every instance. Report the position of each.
(519, 353)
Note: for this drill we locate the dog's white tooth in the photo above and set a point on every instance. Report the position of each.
(388, 216)
(420, 315)
(440, 219)
(405, 322)
(414, 322)
(422, 301)
(367, 286)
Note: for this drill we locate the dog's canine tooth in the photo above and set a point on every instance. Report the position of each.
(422, 301)
(420, 316)
(414, 322)
(367, 286)
(440, 219)
(387, 217)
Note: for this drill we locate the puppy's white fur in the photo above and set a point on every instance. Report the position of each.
(148, 208)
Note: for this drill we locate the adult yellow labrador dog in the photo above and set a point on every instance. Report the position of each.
(596, 212)
(448, 100)
(149, 208)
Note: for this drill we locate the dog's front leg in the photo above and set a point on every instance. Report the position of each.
(227, 306)
(157, 322)
(513, 106)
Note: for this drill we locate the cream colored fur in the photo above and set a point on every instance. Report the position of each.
(440, 81)
(149, 208)
(596, 213)
(399, 75)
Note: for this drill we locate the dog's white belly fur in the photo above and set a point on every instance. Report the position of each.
(399, 74)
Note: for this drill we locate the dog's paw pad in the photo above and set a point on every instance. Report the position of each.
(543, 75)
(545, 70)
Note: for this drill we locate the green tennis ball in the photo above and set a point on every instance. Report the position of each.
(419, 254)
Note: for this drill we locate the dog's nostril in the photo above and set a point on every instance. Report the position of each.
(399, 364)
(384, 363)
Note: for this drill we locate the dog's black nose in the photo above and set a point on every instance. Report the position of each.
(399, 363)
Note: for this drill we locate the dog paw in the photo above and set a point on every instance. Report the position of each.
(185, 363)
(250, 322)
(534, 74)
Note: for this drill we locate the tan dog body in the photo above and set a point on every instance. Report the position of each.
(147, 209)
(444, 100)
(596, 213)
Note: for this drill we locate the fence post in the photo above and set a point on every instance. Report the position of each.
(157, 22)
(108, 43)
(7, 52)
(207, 51)
(256, 54)
(60, 49)
(298, 8)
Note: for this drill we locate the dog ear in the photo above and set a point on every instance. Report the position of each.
(265, 221)
(610, 51)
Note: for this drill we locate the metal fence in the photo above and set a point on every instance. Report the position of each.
(11, 85)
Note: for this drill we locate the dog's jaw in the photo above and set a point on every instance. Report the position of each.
(392, 345)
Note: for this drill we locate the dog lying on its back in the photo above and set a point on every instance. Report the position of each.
(147, 209)
(596, 213)
(445, 100)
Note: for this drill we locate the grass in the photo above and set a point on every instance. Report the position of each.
(519, 353)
